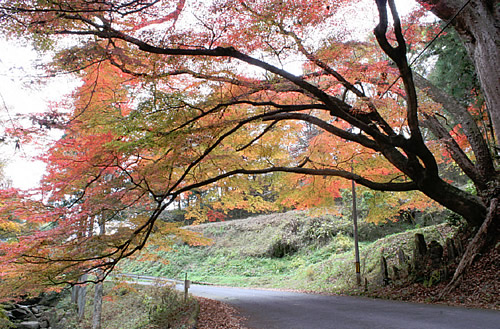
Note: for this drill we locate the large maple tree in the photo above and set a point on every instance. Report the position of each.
(215, 96)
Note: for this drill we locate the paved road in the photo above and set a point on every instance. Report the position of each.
(268, 309)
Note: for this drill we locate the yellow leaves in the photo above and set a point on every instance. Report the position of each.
(10, 226)
(197, 214)
(382, 207)
(167, 233)
(387, 206)
(164, 236)
(120, 285)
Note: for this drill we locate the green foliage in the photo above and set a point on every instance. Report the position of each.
(434, 279)
(323, 229)
(362, 202)
(455, 220)
(343, 243)
(168, 309)
(215, 231)
(281, 247)
(132, 307)
(291, 250)
(4, 320)
(452, 62)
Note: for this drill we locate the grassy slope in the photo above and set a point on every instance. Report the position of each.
(132, 307)
(292, 250)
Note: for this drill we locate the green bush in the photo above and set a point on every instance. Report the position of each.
(343, 243)
(168, 309)
(281, 248)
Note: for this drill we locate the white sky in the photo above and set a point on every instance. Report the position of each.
(21, 93)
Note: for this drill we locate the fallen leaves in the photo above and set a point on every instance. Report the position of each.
(217, 315)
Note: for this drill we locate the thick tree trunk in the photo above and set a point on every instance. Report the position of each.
(479, 27)
(96, 318)
(467, 205)
(81, 297)
(474, 247)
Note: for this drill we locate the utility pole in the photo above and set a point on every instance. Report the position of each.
(355, 226)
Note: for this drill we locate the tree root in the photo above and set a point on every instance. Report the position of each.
(472, 250)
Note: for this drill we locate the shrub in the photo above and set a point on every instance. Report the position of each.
(281, 248)
(168, 309)
(343, 243)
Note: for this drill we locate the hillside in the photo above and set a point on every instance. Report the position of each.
(293, 251)
(310, 252)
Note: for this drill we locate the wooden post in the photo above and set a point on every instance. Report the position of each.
(186, 287)
(355, 228)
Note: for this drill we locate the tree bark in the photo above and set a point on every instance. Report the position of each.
(474, 247)
(454, 149)
(479, 28)
(81, 296)
(98, 293)
(484, 161)
(96, 318)
(468, 206)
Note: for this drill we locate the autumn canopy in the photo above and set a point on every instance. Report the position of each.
(230, 104)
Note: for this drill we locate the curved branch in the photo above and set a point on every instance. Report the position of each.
(337, 107)
(374, 115)
(416, 143)
(456, 152)
(266, 130)
(379, 186)
(461, 115)
(358, 138)
(398, 55)
(256, 86)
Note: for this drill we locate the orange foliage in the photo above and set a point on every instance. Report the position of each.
(165, 115)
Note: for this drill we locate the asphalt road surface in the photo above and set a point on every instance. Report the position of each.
(269, 309)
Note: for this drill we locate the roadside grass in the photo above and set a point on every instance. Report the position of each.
(289, 251)
(130, 306)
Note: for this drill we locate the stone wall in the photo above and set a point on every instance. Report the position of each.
(430, 263)
(34, 313)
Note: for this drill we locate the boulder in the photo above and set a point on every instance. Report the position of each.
(451, 251)
(44, 323)
(395, 273)
(420, 246)
(21, 313)
(35, 310)
(8, 306)
(383, 271)
(402, 257)
(419, 256)
(435, 251)
(50, 299)
(28, 325)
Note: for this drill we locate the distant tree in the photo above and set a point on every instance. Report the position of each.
(454, 70)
